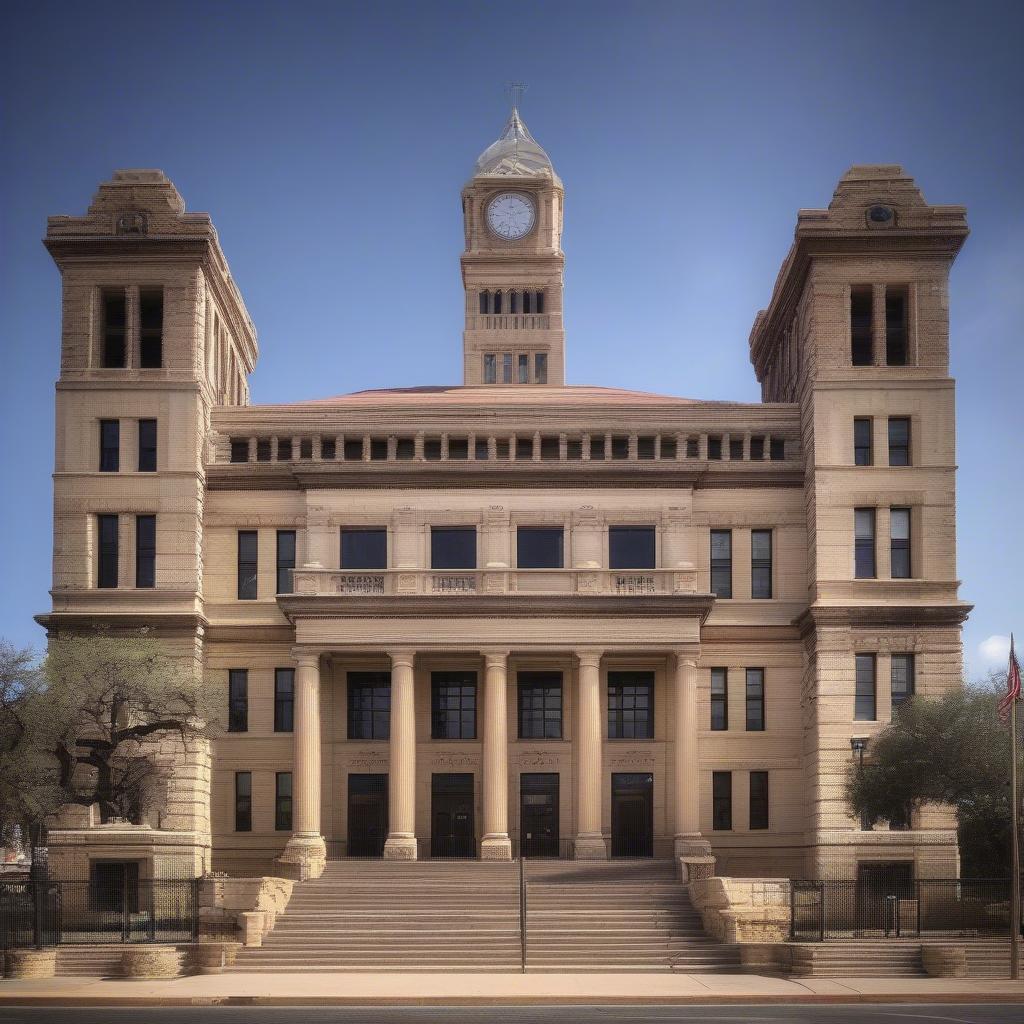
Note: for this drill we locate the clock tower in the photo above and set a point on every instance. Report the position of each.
(512, 265)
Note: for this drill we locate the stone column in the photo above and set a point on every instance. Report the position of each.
(401, 841)
(590, 844)
(305, 854)
(688, 842)
(496, 844)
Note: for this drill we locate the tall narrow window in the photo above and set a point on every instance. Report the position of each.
(540, 705)
(263, 450)
(513, 302)
(631, 547)
(735, 449)
(755, 700)
(777, 449)
(110, 446)
(496, 302)
(540, 368)
(369, 705)
(538, 302)
(861, 348)
(714, 447)
(106, 528)
(761, 563)
(758, 800)
(862, 441)
(145, 551)
(899, 544)
(523, 364)
(114, 320)
(721, 801)
(721, 563)
(484, 296)
(490, 368)
(283, 802)
(151, 329)
(453, 705)
(238, 700)
(899, 441)
(147, 446)
(453, 547)
(284, 699)
(896, 327)
(630, 705)
(247, 564)
(285, 560)
(719, 699)
(239, 449)
(243, 801)
(901, 678)
(757, 449)
(864, 692)
(864, 543)
(506, 368)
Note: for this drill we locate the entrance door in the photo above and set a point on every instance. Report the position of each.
(538, 814)
(367, 815)
(879, 891)
(452, 832)
(632, 814)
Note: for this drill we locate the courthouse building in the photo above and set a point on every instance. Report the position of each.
(515, 614)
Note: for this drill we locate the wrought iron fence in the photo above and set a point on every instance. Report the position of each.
(49, 913)
(942, 908)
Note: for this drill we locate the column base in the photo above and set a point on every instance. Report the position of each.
(496, 847)
(304, 856)
(401, 847)
(590, 847)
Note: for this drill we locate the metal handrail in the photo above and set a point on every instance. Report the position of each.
(522, 912)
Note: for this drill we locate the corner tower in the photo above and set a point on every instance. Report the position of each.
(512, 265)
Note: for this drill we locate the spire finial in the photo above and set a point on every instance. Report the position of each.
(515, 92)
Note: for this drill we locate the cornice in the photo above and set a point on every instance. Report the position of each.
(883, 616)
(161, 624)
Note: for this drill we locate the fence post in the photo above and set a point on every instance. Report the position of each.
(918, 884)
(792, 911)
(152, 910)
(821, 912)
(195, 909)
(126, 929)
(522, 911)
(37, 914)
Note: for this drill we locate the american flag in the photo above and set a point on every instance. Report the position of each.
(1012, 684)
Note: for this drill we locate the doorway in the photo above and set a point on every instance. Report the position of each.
(538, 814)
(453, 830)
(367, 815)
(632, 814)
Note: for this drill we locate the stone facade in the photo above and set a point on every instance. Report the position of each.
(514, 448)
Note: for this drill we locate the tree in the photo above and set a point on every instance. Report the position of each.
(949, 750)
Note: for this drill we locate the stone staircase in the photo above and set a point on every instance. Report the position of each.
(616, 916)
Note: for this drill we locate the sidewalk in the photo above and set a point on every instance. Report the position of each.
(499, 989)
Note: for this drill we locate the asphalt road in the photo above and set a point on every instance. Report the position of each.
(904, 1013)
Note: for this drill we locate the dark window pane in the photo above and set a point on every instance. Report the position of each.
(721, 799)
(284, 699)
(432, 449)
(151, 329)
(239, 449)
(107, 528)
(620, 447)
(631, 547)
(540, 705)
(645, 447)
(899, 532)
(369, 705)
(758, 800)
(481, 452)
(714, 447)
(263, 449)
(864, 543)
(147, 446)
(864, 693)
(895, 327)
(668, 448)
(524, 449)
(550, 449)
(243, 801)
(145, 551)
(353, 449)
(284, 449)
(328, 448)
(902, 678)
(861, 328)
(238, 700)
(719, 699)
(760, 563)
(490, 367)
(285, 560)
(777, 449)
(757, 449)
(247, 565)
(539, 547)
(378, 449)
(540, 368)
(405, 449)
(597, 447)
(453, 547)
(283, 802)
(721, 563)
(630, 705)
(899, 441)
(114, 329)
(755, 700)
(110, 446)
(453, 705)
(735, 450)
(692, 448)
(862, 442)
(306, 448)
(364, 547)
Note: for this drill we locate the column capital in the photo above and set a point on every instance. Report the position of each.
(589, 658)
(304, 657)
(495, 655)
(684, 657)
(402, 656)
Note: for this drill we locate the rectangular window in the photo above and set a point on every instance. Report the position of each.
(238, 700)
(540, 368)
(369, 705)
(714, 447)
(114, 319)
(524, 449)
(283, 802)
(328, 449)
(107, 529)
(145, 551)
(758, 800)
(630, 705)
(692, 448)
(721, 563)
(284, 699)
(719, 699)
(458, 448)
(151, 329)
(861, 346)
(506, 368)
(755, 700)
(540, 705)
(862, 441)
(899, 543)
(263, 449)
(901, 675)
(721, 801)
(899, 441)
(895, 327)
(631, 547)
(239, 449)
(243, 801)
(540, 547)
(596, 448)
(490, 368)
(523, 364)
(761, 563)
(247, 565)
(285, 560)
(284, 449)
(453, 705)
(453, 547)
(668, 448)
(364, 547)
(777, 449)
(306, 448)
(352, 449)
(864, 693)
(110, 446)
(864, 543)
(147, 446)
(757, 449)
(735, 449)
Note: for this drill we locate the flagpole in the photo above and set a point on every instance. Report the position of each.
(1015, 844)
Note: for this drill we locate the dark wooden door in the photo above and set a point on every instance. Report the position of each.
(367, 815)
(453, 829)
(632, 814)
(538, 814)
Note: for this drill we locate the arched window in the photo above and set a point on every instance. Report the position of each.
(484, 297)
(527, 302)
(538, 302)
(497, 302)
(513, 302)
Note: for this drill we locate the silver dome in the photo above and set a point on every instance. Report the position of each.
(515, 153)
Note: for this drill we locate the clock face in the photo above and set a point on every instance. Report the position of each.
(511, 215)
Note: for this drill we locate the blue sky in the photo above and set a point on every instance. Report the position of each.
(330, 142)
